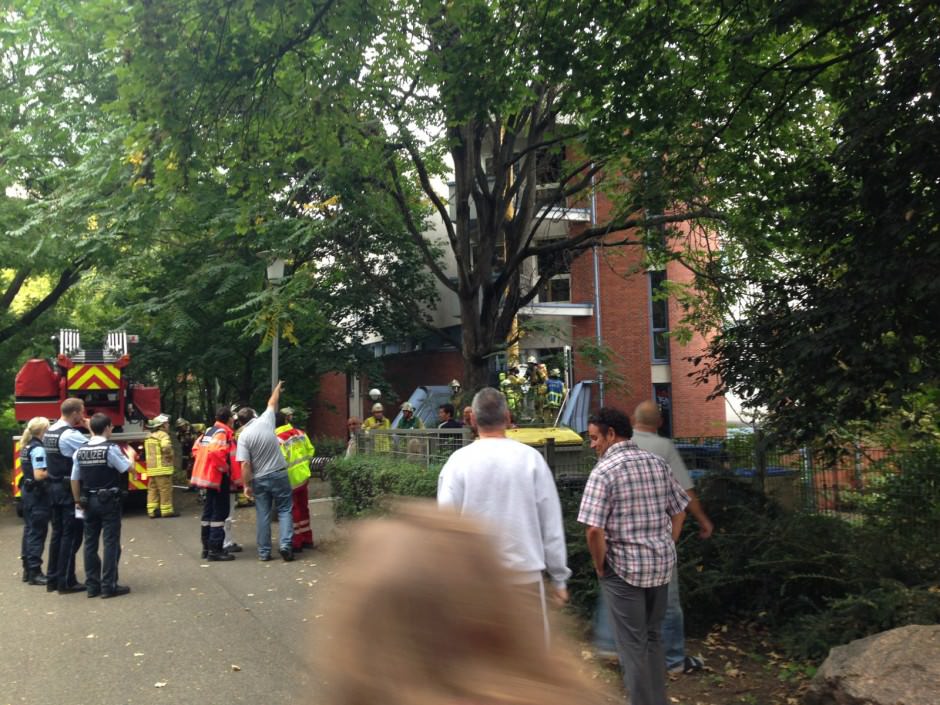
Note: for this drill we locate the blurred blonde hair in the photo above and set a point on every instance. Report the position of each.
(428, 617)
(35, 428)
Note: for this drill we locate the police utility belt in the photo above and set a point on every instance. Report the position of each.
(105, 495)
(105, 491)
(31, 485)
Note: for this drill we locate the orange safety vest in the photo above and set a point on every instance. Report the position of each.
(214, 456)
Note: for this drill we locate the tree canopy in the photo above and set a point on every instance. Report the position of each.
(156, 150)
(835, 294)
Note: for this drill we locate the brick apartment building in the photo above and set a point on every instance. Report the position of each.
(632, 325)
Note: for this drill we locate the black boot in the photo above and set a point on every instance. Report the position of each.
(220, 556)
(36, 577)
(205, 542)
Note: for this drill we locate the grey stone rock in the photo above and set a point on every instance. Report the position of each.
(897, 667)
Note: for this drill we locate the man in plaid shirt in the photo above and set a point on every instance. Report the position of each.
(633, 508)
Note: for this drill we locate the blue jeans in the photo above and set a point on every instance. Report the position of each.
(673, 637)
(674, 625)
(273, 490)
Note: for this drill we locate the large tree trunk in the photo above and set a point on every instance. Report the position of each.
(476, 345)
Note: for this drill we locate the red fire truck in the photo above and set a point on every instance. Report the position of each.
(96, 376)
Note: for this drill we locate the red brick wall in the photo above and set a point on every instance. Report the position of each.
(329, 410)
(624, 317)
(408, 371)
(693, 413)
(403, 372)
(625, 328)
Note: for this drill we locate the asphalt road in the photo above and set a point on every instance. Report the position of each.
(190, 632)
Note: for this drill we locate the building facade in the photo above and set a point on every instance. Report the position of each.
(603, 298)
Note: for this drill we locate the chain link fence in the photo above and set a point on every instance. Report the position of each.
(428, 447)
(857, 482)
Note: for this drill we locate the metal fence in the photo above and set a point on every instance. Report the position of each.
(855, 482)
(428, 447)
(432, 447)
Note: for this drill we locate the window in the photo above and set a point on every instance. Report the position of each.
(662, 394)
(558, 265)
(659, 317)
(549, 164)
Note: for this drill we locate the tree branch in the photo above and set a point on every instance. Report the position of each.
(401, 202)
(70, 276)
(394, 294)
(14, 288)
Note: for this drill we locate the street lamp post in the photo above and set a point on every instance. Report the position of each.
(275, 276)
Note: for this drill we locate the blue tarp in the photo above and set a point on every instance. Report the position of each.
(577, 408)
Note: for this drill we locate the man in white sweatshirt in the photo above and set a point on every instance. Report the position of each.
(508, 486)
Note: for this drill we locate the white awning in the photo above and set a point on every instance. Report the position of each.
(557, 309)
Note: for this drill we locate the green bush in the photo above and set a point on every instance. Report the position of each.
(888, 605)
(582, 586)
(816, 581)
(329, 446)
(361, 482)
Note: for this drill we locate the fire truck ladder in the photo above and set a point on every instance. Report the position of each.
(70, 345)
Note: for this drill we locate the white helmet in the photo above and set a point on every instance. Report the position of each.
(407, 407)
(377, 407)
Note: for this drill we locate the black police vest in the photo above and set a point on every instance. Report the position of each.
(96, 474)
(58, 465)
(26, 462)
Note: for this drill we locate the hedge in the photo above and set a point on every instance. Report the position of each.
(361, 482)
(814, 581)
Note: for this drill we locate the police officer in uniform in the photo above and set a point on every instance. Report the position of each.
(99, 482)
(36, 500)
(61, 441)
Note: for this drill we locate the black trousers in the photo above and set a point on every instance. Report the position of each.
(102, 521)
(66, 535)
(37, 506)
(214, 513)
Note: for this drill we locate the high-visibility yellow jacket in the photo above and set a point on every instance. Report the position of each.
(298, 452)
(158, 451)
(383, 443)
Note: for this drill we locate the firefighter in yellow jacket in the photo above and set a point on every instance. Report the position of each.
(382, 442)
(158, 450)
